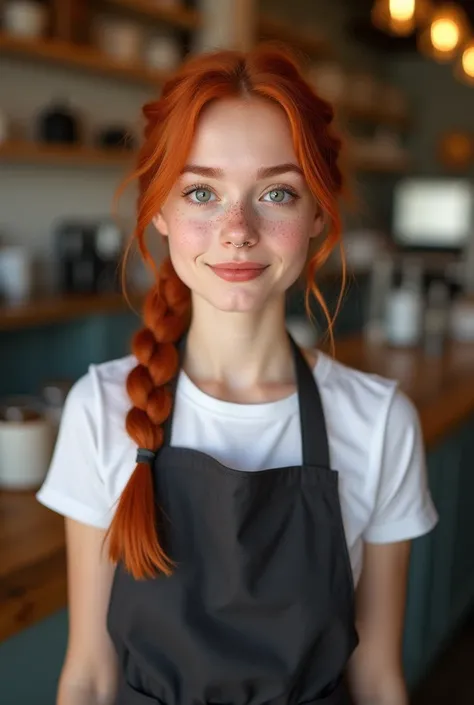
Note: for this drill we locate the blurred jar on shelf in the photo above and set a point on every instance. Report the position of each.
(26, 443)
(462, 319)
(162, 52)
(53, 396)
(58, 123)
(16, 274)
(119, 38)
(328, 80)
(25, 18)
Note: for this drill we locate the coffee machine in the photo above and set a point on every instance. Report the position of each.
(88, 255)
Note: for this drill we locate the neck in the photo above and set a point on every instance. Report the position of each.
(239, 350)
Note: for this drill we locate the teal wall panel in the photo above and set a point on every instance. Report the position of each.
(441, 582)
(33, 355)
(30, 663)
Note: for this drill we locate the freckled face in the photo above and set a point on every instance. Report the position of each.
(242, 184)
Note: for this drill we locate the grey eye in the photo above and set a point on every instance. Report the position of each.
(277, 195)
(202, 195)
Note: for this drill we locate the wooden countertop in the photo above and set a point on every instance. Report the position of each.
(32, 552)
(441, 388)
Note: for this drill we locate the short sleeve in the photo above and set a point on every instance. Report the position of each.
(73, 485)
(403, 507)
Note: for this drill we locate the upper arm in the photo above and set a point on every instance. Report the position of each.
(90, 664)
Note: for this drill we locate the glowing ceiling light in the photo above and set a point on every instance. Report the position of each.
(400, 17)
(446, 33)
(468, 61)
(402, 10)
(464, 69)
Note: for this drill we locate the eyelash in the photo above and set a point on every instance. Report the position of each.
(204, 187)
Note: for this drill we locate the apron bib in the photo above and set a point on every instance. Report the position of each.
(260, 608)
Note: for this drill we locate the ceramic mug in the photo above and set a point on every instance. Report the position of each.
(119, 39)
(24, 18)
(162, 52)
(16, 276)
(26, 444)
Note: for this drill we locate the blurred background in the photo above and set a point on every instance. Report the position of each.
(73, 77)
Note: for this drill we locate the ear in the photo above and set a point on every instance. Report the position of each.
(160, 224)
(319, 224)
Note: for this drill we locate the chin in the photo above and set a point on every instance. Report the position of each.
(236, 301)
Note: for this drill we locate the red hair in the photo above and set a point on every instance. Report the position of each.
(171, 122)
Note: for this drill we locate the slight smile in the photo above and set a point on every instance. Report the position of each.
(238, 271)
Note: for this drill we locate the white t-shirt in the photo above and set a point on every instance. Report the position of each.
(374, 437)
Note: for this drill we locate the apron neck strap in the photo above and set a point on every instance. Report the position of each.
(315, 447)
(314, 438)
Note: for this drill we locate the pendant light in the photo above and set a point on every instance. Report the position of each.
(464, 70)
(446, 33)
(400, 17)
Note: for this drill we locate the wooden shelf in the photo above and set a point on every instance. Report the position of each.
(77, 156)
(179, 17)
(22, 152)
(61, 308)
(273, 29)
(84, 58)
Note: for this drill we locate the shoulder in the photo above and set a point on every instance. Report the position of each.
(377, 446)
(99, 401)
(365, 413)
(103, 384)
(361, 398)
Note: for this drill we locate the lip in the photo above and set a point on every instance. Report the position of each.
(238, 271)
(238, 265)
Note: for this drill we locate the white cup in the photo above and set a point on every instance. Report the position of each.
(16, 280)
(24, 18)
(163, 53)
(26, 445)
(25, 453)
(119, 39)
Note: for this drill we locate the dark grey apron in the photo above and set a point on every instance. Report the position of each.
(260, 608)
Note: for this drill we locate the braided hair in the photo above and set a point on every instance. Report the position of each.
(170, 124)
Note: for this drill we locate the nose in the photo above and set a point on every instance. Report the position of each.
(238, 228)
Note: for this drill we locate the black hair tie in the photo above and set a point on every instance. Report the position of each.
(145, 456)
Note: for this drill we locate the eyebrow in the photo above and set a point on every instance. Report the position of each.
(262, 173)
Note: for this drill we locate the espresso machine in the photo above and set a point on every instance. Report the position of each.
(88, 256)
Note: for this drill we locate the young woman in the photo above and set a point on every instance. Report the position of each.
(220, 566)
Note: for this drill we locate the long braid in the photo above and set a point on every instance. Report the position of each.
(133, 538)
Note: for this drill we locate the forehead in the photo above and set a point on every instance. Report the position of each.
(243, 134)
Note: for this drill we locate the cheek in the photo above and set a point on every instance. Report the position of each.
(188, 234)
(288, 237)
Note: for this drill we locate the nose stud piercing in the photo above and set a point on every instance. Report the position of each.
(242, 244)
